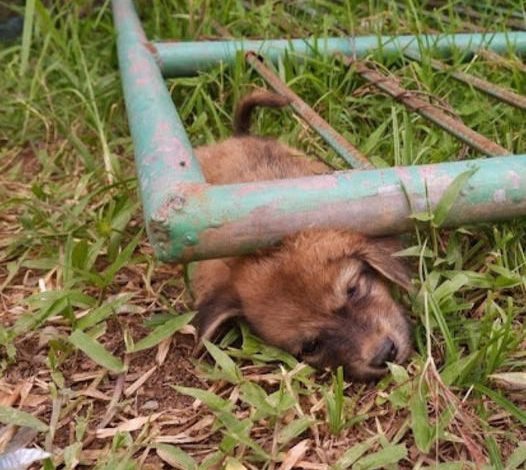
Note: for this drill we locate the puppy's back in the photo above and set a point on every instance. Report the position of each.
(246, 158)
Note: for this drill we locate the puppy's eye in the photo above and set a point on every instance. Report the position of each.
(310, 347)
(351, 292)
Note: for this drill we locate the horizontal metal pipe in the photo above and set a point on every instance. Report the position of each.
(215, 221)
(345, 149)
(187, 58)
(452, 125)
(496, 91)
(163, 153)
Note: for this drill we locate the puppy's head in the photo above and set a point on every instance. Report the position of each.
(323, 296)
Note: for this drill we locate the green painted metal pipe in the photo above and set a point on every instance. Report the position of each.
(163, 153)
(187, 58)
(188, 219)
(214, 221)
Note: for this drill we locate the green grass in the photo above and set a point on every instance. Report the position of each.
(89, 369)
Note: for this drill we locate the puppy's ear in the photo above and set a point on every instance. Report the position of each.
(221, 305)
(378, 253)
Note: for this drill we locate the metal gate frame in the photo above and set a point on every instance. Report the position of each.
(188, 219)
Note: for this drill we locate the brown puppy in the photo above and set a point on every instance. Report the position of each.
(322, 294)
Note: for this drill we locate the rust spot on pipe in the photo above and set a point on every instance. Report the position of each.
(448, 123)
(151, 48)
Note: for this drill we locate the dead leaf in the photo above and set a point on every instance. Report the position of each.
(162, 351)
(139, 382)
(295, 454)
(234, 464)
(130, 425)
(515, 381)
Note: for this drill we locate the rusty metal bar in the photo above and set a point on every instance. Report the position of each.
(437, 15)
(345, 149)
(502, 94)
(471, 13)
(500, 60)
(222, 30)
(339, 144)
(506, 11)
(448, 123)
(464, 24)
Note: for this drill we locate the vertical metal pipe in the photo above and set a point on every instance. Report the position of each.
(163, 153)
(450, 124)
(345, 149)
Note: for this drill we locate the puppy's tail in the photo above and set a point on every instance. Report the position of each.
(247, 104)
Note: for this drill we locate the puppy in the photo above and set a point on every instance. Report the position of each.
(322, 295)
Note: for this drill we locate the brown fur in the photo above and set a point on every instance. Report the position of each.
(322, 294)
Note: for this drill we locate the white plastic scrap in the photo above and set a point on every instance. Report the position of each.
(20, 459)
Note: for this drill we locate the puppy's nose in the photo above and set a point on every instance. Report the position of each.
(386, 353)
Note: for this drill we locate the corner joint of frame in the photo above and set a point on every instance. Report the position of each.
(150, 47)
(159, 226)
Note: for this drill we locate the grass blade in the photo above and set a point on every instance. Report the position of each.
(253, 394)
(510, 407)
(16, 417)
(103, 312)
(353, 454)
(387, 456)
(21, 458)
(122, 259)
(210, 399)
(163, 331)
(510, 380)
(517, 458)
(95, 351)
(223, 360)
(334, 401)
(450, 196)
(176, 457)
(294, 429)
(29, 17)
(422, 429)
